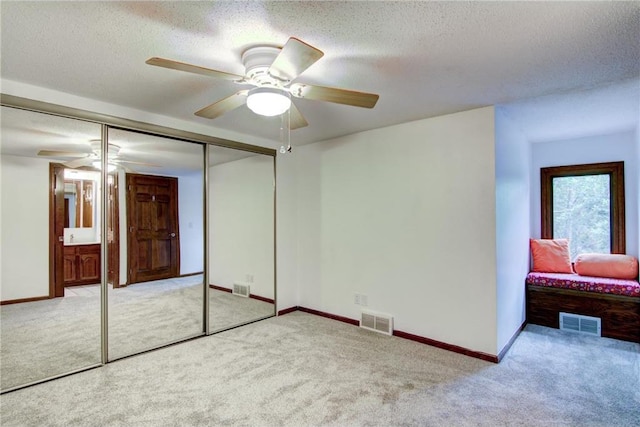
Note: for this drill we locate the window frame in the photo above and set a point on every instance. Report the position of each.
(615, 170)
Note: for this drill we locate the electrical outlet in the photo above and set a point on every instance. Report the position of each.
(359, 299)
(249, 278)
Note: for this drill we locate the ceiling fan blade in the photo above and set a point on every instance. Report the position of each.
(55, 153)
(87, 161)
(295, 57)
(339, 96)
(296, 119)
(189, 68)
(224, 105)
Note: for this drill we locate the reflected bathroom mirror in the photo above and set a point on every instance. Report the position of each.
(241, 237)
(156, 228)
(82, 197)
(50, 245)
(79, 207)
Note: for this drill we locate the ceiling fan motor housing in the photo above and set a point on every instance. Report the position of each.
(257, 61)
(96, 148)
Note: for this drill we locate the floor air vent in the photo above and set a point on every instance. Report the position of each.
(240, 289)
(377, 322)
(582, 324)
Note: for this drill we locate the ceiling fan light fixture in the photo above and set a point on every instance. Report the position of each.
(98, 165)
(267, 101)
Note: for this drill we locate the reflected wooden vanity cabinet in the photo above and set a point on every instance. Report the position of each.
(81, 264)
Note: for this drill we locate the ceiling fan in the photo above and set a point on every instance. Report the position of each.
(272, 71)
(92, 157)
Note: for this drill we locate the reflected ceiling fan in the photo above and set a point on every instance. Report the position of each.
(272, 71)
(92, 157)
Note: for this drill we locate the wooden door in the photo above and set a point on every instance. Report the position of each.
(113, 231)
(152, 218)
(57, 264)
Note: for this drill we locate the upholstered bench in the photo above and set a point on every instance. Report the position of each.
(615, 301)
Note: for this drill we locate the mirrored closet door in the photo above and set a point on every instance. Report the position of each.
(156, 241)
(96, 264)
(241, 237)
(50, 239)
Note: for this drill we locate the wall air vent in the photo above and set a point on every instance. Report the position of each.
(579, 323)
(241, 289)
(377, 322)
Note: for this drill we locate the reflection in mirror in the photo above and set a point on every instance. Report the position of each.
(241, 237)
(81, 206)
(79, 196)
(49, 286)
(155, 226)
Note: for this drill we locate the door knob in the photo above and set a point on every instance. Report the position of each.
(172, 234)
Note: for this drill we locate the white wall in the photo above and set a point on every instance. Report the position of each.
(638, 171)
(406, 216)
(593, 149)
(25, 228)
(286, 231)
(513, 164)
(241, 224)
(190, 216)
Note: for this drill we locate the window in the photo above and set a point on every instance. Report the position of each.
(585, 204)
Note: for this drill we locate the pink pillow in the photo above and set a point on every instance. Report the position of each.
(550, 256)
(607, 265)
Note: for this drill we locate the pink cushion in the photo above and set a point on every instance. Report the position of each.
(550, 256)
(607, 265)
(576, 282)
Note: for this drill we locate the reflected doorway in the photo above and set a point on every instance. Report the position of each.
(75, 241)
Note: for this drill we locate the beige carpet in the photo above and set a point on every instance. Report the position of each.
(51, 337)
(304, 370)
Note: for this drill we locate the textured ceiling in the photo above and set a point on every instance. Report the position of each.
(423, 58)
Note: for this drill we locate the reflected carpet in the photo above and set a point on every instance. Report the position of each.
(50, 337)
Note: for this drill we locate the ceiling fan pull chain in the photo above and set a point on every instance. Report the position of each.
(285, 132)
(283, 137)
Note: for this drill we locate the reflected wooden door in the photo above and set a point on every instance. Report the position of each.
(152, 217)
(113, 231)
(57, 265)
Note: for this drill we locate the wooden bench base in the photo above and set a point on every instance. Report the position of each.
(620, 314)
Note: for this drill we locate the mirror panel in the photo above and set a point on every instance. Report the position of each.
(49, 321)
(158, 233)
(241, 237)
